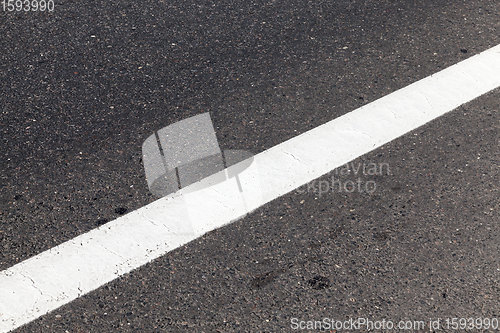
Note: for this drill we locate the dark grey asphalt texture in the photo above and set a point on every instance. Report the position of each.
(82, 87)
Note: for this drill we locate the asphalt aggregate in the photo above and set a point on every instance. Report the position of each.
(82, 87)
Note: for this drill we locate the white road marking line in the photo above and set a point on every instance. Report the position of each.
(55, 277)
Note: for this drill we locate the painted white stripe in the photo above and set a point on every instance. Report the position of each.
(57, 276)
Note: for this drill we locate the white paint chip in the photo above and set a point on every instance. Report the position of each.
(55, 277)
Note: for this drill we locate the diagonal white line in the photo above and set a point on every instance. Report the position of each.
(55, 277)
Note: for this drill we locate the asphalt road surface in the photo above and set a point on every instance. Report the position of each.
(82, 87)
